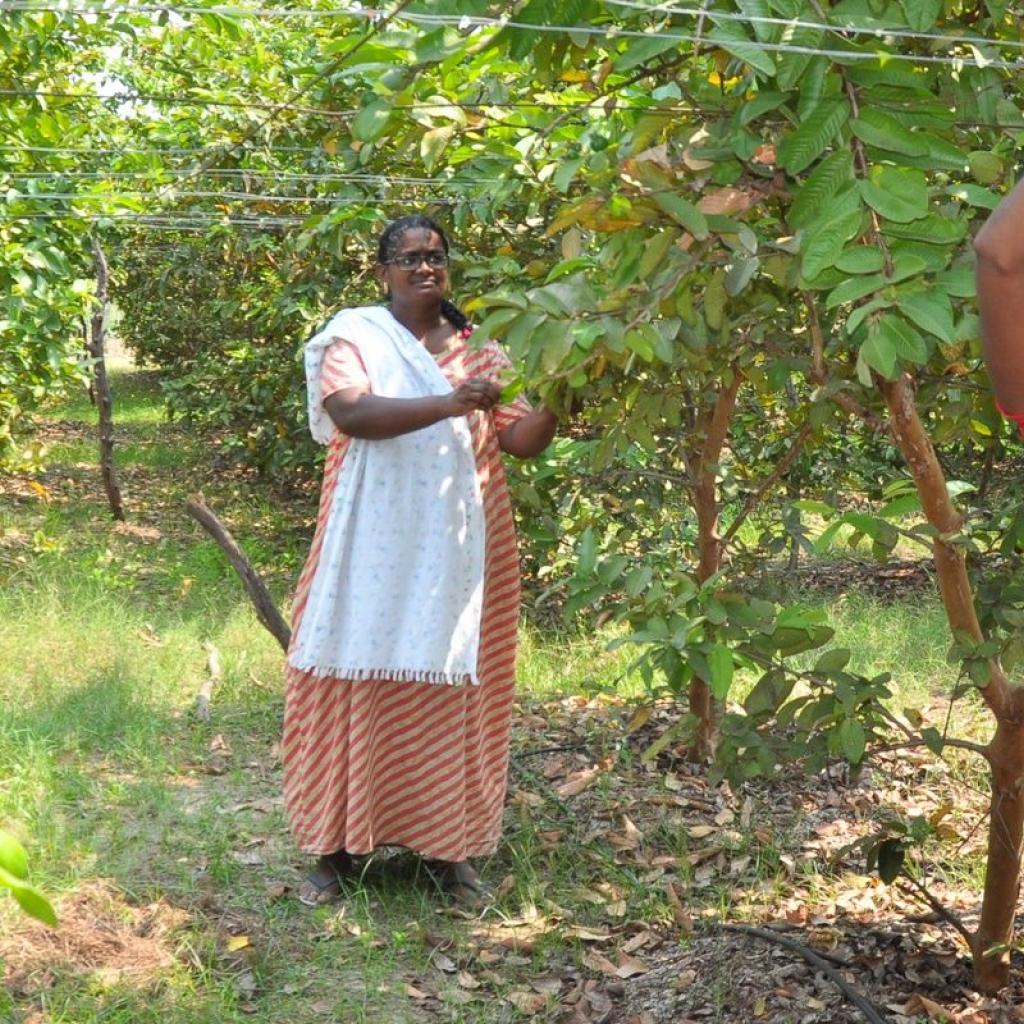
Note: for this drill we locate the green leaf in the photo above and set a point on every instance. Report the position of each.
(655, 251)
(824, 182)
(12, 855)
(860, 259)
(975, 195)
(877, 128)
(957, 281)
(931, 311)
(756, 10)
(791, 66)
(433, 144)
(857, 317)
(370, 122)
(905, 341)
(855, 288)
(683, 212)
(36, 905)
(586, 553)
(640, 51)
(832, 661)
(800, 148)
(879, 352)
(30, 899)
(891, 855)
(720, 665)
(823, 248)
(933, 740)
(896, 193)
(934, 229)
(987, 168)
(762, 103)
(852, 740)
(740, 274)
(921, 14)
(731, 38)
(562, 178)
(769, 693)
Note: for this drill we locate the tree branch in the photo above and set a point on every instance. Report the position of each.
(921, 892)
(263, 603)
(867, 1008)
(783, 467)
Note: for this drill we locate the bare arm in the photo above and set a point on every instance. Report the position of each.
(359, 414)
(1000, 250)
(530, 434)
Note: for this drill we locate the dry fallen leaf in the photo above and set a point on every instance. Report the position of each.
(442, 962)
(596, 962)
(466, 980)
(527, 1002)
(547, 984)
(414, 993)
(578, 782)
(237, 942)
(918, 1004)
(630, 967)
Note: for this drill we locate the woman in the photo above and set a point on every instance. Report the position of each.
(1000, 250)
(401, 671)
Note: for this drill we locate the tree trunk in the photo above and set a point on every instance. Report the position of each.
(1006, 751)
(1002, 868)
(97, 343)
(714, 428)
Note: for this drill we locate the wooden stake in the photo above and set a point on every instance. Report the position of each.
(101, 385)
(212, 680)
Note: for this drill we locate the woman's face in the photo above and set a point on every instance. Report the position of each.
(417, 268)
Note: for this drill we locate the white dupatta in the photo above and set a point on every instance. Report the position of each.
(398, 588)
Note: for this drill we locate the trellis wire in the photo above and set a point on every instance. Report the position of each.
(472, 21)
(466, 21)
(241, 172)
(254, 197)
(758, 19)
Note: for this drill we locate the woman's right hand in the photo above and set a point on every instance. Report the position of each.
(475, 393)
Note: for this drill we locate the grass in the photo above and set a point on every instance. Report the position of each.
(132, 807)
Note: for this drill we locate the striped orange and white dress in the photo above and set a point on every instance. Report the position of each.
(385, 763)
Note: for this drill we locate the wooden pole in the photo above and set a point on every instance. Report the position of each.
(101, 384)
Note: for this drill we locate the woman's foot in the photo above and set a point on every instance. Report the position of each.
(459, 881)
(323, 884)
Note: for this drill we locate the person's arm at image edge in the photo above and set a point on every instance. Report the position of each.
(1000, 251)
(530, 434)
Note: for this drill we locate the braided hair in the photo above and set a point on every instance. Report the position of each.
(388, 243)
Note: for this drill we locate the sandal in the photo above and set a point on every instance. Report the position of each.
(459, 882)
(319, 892)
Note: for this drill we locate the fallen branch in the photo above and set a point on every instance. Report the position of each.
(266, 610)
(916, 889)
(868, 1009)
(213, 679)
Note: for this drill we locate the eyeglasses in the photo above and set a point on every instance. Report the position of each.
(436, 258)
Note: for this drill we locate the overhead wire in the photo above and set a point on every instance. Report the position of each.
(247, 172)
(467, 21)
(250, 197)
(758, 19)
